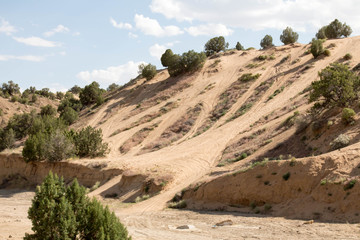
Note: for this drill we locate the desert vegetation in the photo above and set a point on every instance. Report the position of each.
(65, 212)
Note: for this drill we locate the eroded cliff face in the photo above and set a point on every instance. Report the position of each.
(325, 187)
(16, 173)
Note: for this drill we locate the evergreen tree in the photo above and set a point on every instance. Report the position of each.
(266, 42)
(166, 58)
(337, 86)
(215, 45)
(239, 46)
(66, 213)
(289, 36)
(51, 214)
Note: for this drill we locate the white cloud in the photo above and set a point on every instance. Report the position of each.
(120, 24)
(132, 35)
(56, 87)
(152, 27)
(36, 41)
(59, 29)
(30, 58)
(63, 53)
(118, 74)
(157, 50)
(6, 27)
(209, 30)
(261, 14)
(76, 34)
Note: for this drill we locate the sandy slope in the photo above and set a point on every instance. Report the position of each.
(192, 159)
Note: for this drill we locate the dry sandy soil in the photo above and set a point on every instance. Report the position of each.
(163, 224)
(189, 161)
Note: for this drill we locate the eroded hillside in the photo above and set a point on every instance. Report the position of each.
(226, 137)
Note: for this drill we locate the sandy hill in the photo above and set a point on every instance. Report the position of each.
(234, 136)
(196, 128)
(9, 108)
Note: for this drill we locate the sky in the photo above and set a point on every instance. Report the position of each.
(59, 44)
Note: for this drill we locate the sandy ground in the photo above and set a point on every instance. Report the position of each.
(163, 224)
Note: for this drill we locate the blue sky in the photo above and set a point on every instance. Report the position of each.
(58, 44)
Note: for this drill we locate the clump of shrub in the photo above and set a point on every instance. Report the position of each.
(288, 36)
(239, 46)
(215, 45)
(48, 110)
(7, 138)
(327, 52)
(10, 88)
(266, 42)
(347, 56)
(180, 204)
(69, 115)
(247, 77)
(190, 61)
(147, 71)
(50, 140)
(65, 212)
(335, 29)
(88, 143)
(349, 185)
(262, 57)
(347, 115)
(286, 176)
(335, 76)
(317, 47)
(92, 94)
(341, 141)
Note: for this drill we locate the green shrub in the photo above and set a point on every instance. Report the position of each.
(341, 141)
(288, 36)
(48, 110)
(286, 176)
(348, 115)
(69, 101)
(10, 88)
(58, 146)
(188, 62)
(34, 98)
(192, 61)
(249, 77)
(239, 46)
(148, 71)
(88, 143)
(91, 94)
(336, 29)
(348, 56)
(215, 45)
(7, 138)
(21, 123)
(266, 42)
(65, 212)
(75, 89)
(112, 87)
(327, 52)
(178, 205)
(262, 57)
(166, 58)
(69, 115)
(14, 98)
(34, 147)
(349, 185)
(60, 95)
(321, 33)
(316, 48)
(335, 76)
